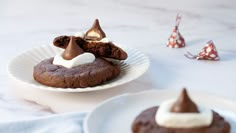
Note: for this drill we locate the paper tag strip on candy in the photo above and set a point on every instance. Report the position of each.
(176, 40)
(209, 52)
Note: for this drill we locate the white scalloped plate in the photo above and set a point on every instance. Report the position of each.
(21, 68)
(117, 114)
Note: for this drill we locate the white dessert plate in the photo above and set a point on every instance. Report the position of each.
(21, 67)
(117, 114)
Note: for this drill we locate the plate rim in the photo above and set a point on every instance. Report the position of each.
(71, 90)
(126, 95)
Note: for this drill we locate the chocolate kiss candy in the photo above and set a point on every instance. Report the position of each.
(208, 52)
(72, 50)
(176, 40)
(184, 104)
(95, 33)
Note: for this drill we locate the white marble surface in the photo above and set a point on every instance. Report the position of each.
(143, 25)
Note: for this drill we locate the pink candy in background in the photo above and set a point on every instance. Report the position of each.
(208, 52)
(176, 40)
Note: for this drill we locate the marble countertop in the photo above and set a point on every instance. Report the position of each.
(142, 25)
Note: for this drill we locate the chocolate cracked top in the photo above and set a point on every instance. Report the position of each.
(184, 104)
(72, 50)
(95, 33)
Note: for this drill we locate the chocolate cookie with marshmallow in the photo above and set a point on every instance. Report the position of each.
(180, 116)
(94, 41)
(75, 68)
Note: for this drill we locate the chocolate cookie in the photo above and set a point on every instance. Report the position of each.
(100, 49)
(86, 75)
(145, 123)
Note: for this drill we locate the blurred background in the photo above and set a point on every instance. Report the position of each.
(144, 25)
